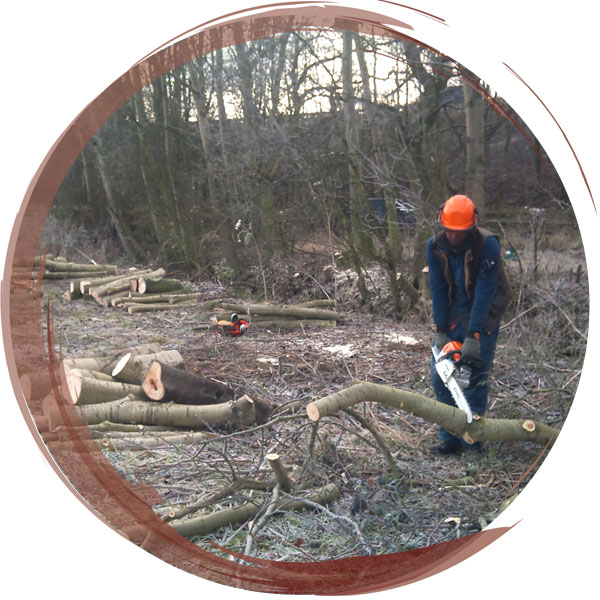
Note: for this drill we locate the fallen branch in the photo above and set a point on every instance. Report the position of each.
(229, 516)
(450, 418)
(280, 472)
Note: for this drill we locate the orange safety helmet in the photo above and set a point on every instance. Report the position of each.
(452, 348)
(458, 213)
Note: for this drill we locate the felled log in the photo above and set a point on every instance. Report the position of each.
(230, 516)
(85, 390)
(112, 287)
(35, 384)
(292, 325)
(148, 285)
(58, 275)
(138, 443)
(154, 276)
(133, 307)
(86, 283)
(134, 411)
(317, 304)
(132, 368)
(449, 417)
(55, 265)
(285, 311)
(168, 384)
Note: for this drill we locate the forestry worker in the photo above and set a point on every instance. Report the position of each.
(470, 292)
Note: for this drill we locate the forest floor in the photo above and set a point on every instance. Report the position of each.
(432, 499)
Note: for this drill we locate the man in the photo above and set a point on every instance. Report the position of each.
(470, 292)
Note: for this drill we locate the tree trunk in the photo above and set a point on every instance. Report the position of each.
(73, 268)
(449, 417)
(169, 384)
(132, 368)
(159, 286)
(132, 307)
(130, 246)
(297, 312)
(475, 162)
(88, 390)
(141, 412)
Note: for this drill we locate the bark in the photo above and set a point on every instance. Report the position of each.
(70, 267)
(159, 286)
(169, 384)
(229, 516)
(168, 298)
(89, 390)
(135, 308)
(36, 384)
(317, 304)
(105, 364)
(155, 275)
(475, 163)
(132, 368)
(58, 275)
(450, 418)
(294, 324)
(86, 283)
(285, 311)
(112, 287)
(280, 472)
(137, 443)
(131, 410)
(124, 233)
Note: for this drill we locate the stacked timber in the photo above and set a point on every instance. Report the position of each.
(147, 391)
(134, 289)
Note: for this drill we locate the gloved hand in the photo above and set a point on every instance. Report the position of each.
(471, 349)
(440, 339)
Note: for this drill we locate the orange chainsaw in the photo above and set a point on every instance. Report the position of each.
(455, 377)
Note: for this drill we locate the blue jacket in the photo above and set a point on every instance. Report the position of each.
(468, 281)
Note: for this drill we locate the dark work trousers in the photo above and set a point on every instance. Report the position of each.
(477, 396)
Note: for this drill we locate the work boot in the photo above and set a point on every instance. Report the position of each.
(447, 447)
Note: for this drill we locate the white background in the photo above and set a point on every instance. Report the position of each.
(57, 56)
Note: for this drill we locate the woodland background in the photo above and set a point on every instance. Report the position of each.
(232, 163)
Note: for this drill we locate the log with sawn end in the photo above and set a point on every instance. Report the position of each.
(135, 411)
(86, 390)
(132, 368)
(165, 383)
(155, 276)
(112, 287)
(86, 283)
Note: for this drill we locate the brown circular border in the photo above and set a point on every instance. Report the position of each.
(127, 508)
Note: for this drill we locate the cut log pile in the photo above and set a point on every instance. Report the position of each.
(145, 388)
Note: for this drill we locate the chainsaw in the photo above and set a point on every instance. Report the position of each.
(455, 377)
